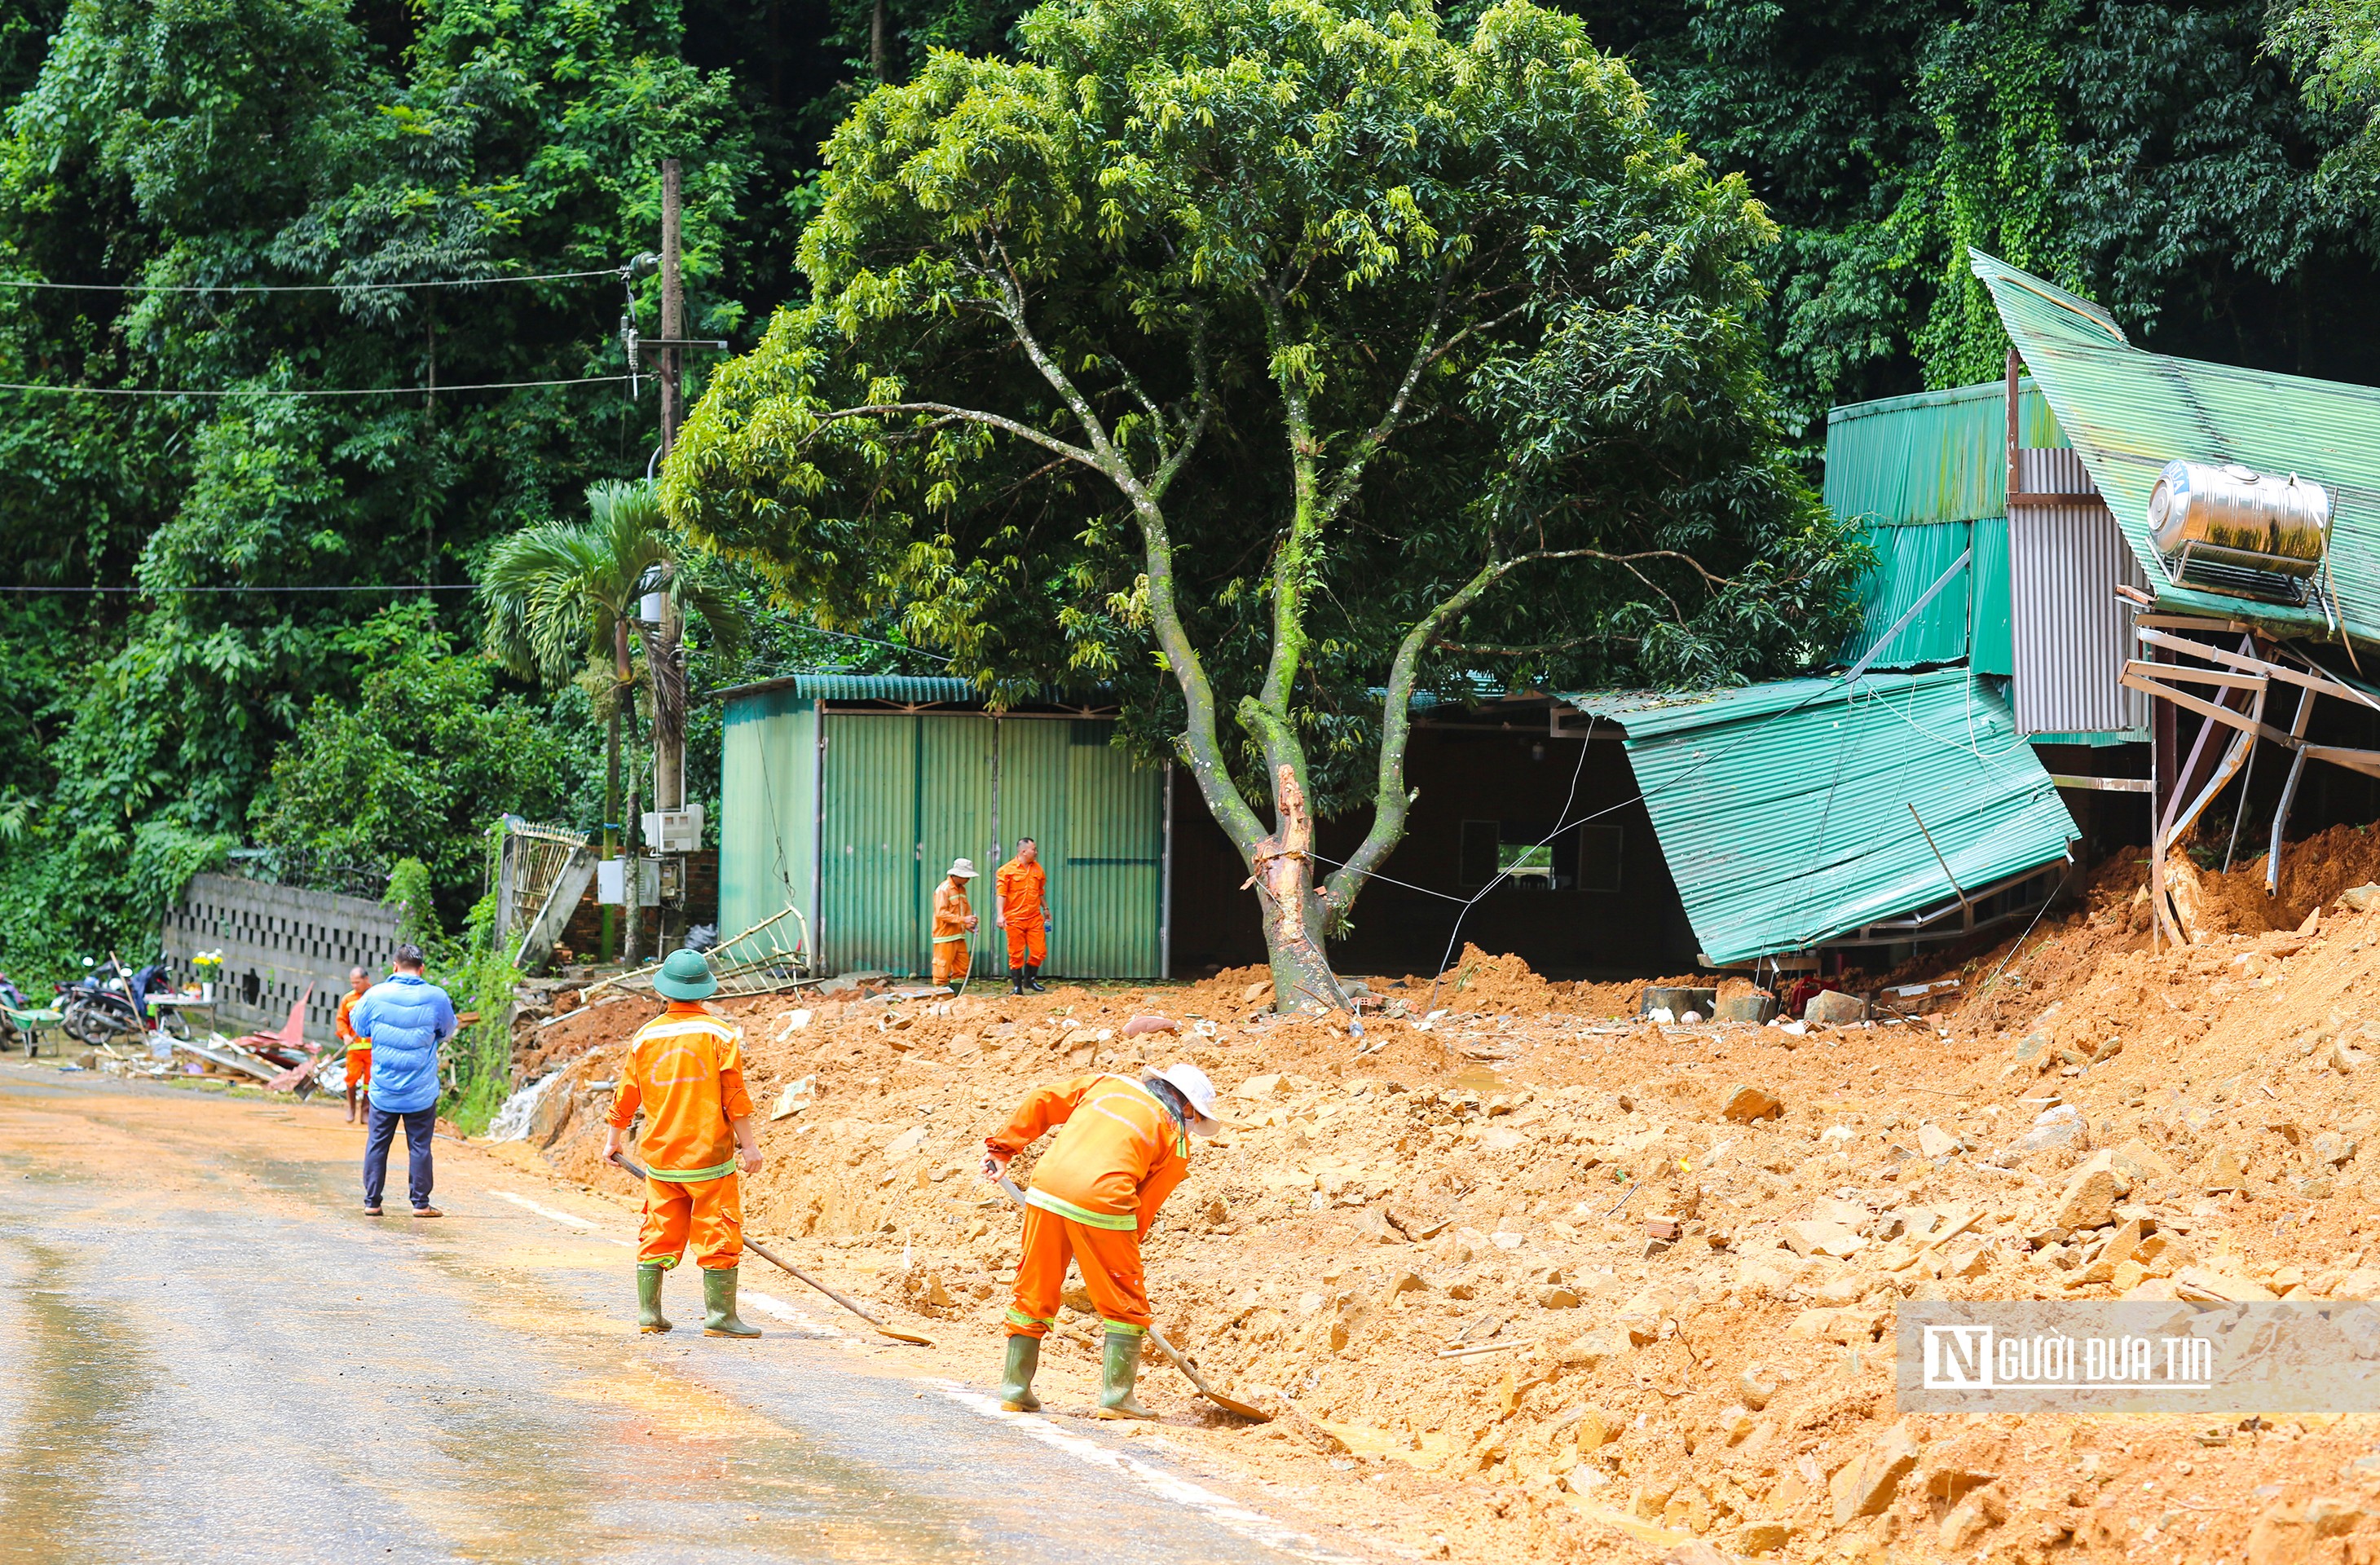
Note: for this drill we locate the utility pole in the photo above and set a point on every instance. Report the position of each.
(668, 645)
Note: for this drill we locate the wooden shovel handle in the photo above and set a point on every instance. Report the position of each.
(798, 1274)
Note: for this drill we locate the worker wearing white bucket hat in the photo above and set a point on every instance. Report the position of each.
(955, 921)
(1123, 1147)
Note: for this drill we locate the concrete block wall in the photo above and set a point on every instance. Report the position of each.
(275, 941)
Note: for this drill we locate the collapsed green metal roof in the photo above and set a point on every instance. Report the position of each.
(2129, 413)
(1785, 809)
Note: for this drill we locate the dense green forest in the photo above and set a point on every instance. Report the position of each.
(2206, 170)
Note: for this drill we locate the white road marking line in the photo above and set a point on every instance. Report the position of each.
(1227, 1513)
(547, 1212)
(1231, 1515)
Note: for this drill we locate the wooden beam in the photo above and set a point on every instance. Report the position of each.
(2207, 709)
(2102, 785)
(2195, 676)
(2035, 497)
(2321, 682)
(2365, 761)
(2187, 622)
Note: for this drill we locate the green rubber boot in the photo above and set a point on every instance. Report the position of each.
(718, 1318)
(1121, 1365)
(1015, 1391)
(649, 1299)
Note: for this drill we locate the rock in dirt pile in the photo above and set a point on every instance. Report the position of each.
(1527, 1273)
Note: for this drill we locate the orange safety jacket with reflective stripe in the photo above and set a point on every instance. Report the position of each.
(1120, 1155)
(685, 1068)
(950, 911)
(345, 1029)
(1022, 887)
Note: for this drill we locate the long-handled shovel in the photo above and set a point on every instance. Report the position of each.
(1229, 1404)
(799, 1276)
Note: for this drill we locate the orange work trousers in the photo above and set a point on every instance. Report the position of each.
(359, 1066)
(1028, 943)
(708, 1213)
(952, 960)
(1108, 1259)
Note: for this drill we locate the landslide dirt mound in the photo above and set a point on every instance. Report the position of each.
(1431, 1235)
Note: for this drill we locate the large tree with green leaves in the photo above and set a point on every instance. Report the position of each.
(1271, 360)
(562, 599)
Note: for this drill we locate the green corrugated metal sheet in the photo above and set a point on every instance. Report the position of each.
(1784, 808)
(1928, 474)
(901, 794)
(1908, 561)
(768, 806)
(869, 911)
(1936, 456)
(1991, 634)
(2129, 413)
(1098, 821)
(955, 785)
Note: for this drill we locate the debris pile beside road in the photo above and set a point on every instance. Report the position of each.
(1526, 1271)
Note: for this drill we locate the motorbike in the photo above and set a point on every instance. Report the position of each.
(106, 1004)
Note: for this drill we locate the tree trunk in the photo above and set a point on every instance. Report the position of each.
(1296, 915)
(875, 44)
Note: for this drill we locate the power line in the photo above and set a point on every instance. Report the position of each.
(300, 288)
(162, 591)
(349, 390)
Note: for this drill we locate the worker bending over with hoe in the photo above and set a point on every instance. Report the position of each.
(359, 1048)
(955, 920)
(1022, 909)
(1124, 1147)
(685, 1070)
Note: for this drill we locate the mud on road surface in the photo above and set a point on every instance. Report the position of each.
(207, 1353)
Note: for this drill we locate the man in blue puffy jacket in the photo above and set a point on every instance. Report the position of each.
(408, 1019)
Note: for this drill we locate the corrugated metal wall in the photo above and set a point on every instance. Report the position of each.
(869, 903)
(1936, 456)
(1928, 474)
(768, 806)
(2072, 633)
(905, 793)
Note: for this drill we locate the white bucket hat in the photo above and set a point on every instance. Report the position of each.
(963, 867)
(1197, 1091)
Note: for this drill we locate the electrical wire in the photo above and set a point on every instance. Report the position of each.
(1563, 823)
(43, 283)
(350, 391)
(162, 591)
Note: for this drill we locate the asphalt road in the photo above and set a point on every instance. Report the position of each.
(207, 1353)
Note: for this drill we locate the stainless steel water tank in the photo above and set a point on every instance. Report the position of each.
(2234, 512)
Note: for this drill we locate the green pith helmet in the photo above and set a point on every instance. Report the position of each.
(686, 976)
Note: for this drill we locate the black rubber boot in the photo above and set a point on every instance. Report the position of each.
(1121, 1365)
(648, 1298)
(1032, 978)
(718, 1318)
(1016, 980)
(1015, 1392)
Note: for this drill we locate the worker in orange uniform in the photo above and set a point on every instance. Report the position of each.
(1124, 1147)
(359, 1048)
(1024, 911)
(685, 1070)
(955, 920)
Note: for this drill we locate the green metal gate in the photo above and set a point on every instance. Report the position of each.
(906, 793)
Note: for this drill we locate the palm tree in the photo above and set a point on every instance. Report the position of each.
(560, 598)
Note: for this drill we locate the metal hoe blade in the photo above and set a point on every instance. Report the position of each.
(1156, 1338)
(799, 1276)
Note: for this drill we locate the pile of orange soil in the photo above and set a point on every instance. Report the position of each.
(1429, 1238)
